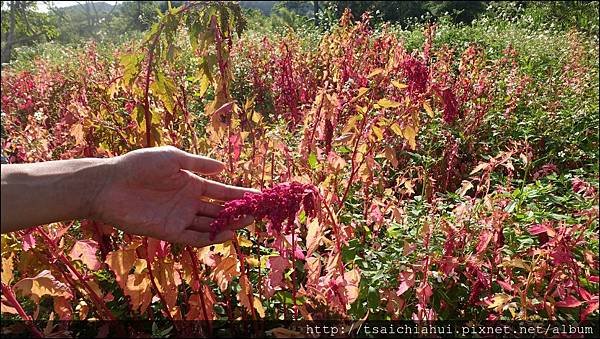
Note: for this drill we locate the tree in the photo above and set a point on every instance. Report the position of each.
(23, 25)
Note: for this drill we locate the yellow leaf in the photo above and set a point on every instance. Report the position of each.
(378, 133)
(79, 134)
(244, 294)
(83, 309)
(399, 85)
(256, 117)
(259, 307)
(225, 271)
(375, 72)
(361, 92)
(479, 168)
(428, 109)
(138, 288)
(249, 103)
(386, 103)
(243, 242)
(120, 262)
(396, 129)
(410, 135)
(62, 307)
(313, 236)
(390, 154)
(519, 263)
(42, 284)
(140, 265)
(225, 249)
(204, 83)
(499, 301)
(7, 269)
(351, 124)
(252, 261)
(409, 187)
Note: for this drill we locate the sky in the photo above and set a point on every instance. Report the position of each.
(43, 8)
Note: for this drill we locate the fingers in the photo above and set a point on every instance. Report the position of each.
(198, 163)
(220, 191)
(202, 223)
(201, 239)
(207, 209)
(241, 223)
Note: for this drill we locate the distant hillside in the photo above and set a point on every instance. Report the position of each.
(93, 7)
(103, 7)
(264, 6)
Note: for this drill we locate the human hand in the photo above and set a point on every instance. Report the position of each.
(153, 192)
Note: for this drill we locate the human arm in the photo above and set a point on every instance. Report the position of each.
(151, 192)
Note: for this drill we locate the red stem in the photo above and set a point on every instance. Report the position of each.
(336, 230)
(147, 115)
(151, 274)
(200, 291)
(56, 254)
(353, 168)
(244, 273)
(10, 297)
(262, 177)
(294, 271)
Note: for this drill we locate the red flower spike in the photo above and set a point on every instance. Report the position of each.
(276, 204)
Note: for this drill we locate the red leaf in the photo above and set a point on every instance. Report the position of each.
(584, 294)
(561, 257)
(424, 293)
(235, 141)
(28, 242)
(484, 240)
(592, 306)
(542, 228)
(85, 250)
(402, 288)
(569, 302)
(278, 265)
(506, 286)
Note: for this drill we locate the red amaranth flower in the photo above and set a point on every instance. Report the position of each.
(276, 204)
(417, 74)
(450, 105)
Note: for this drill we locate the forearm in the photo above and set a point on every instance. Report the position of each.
(41, 193)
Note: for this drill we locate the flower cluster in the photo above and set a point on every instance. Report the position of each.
(277, 204)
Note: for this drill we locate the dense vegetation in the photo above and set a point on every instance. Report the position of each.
(454, 164)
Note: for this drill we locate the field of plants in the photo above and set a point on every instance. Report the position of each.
(438, 172)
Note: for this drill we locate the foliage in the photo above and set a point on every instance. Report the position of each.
(456, 168)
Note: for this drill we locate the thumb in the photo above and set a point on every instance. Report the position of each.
(198, 163)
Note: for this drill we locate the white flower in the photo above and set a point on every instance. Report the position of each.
(39, 116)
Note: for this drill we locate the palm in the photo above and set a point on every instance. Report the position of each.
(154, 196)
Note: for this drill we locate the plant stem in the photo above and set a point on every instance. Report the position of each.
(10, 297)
(200, 291)
(151, 274)
(56, 254)
(147, 114)
(244, 273)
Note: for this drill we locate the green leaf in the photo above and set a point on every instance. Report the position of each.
(372, 297)
(312, 161)
(132, 67)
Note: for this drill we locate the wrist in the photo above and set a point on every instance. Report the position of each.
(101, 175)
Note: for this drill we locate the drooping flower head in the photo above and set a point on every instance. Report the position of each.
(277, 204)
